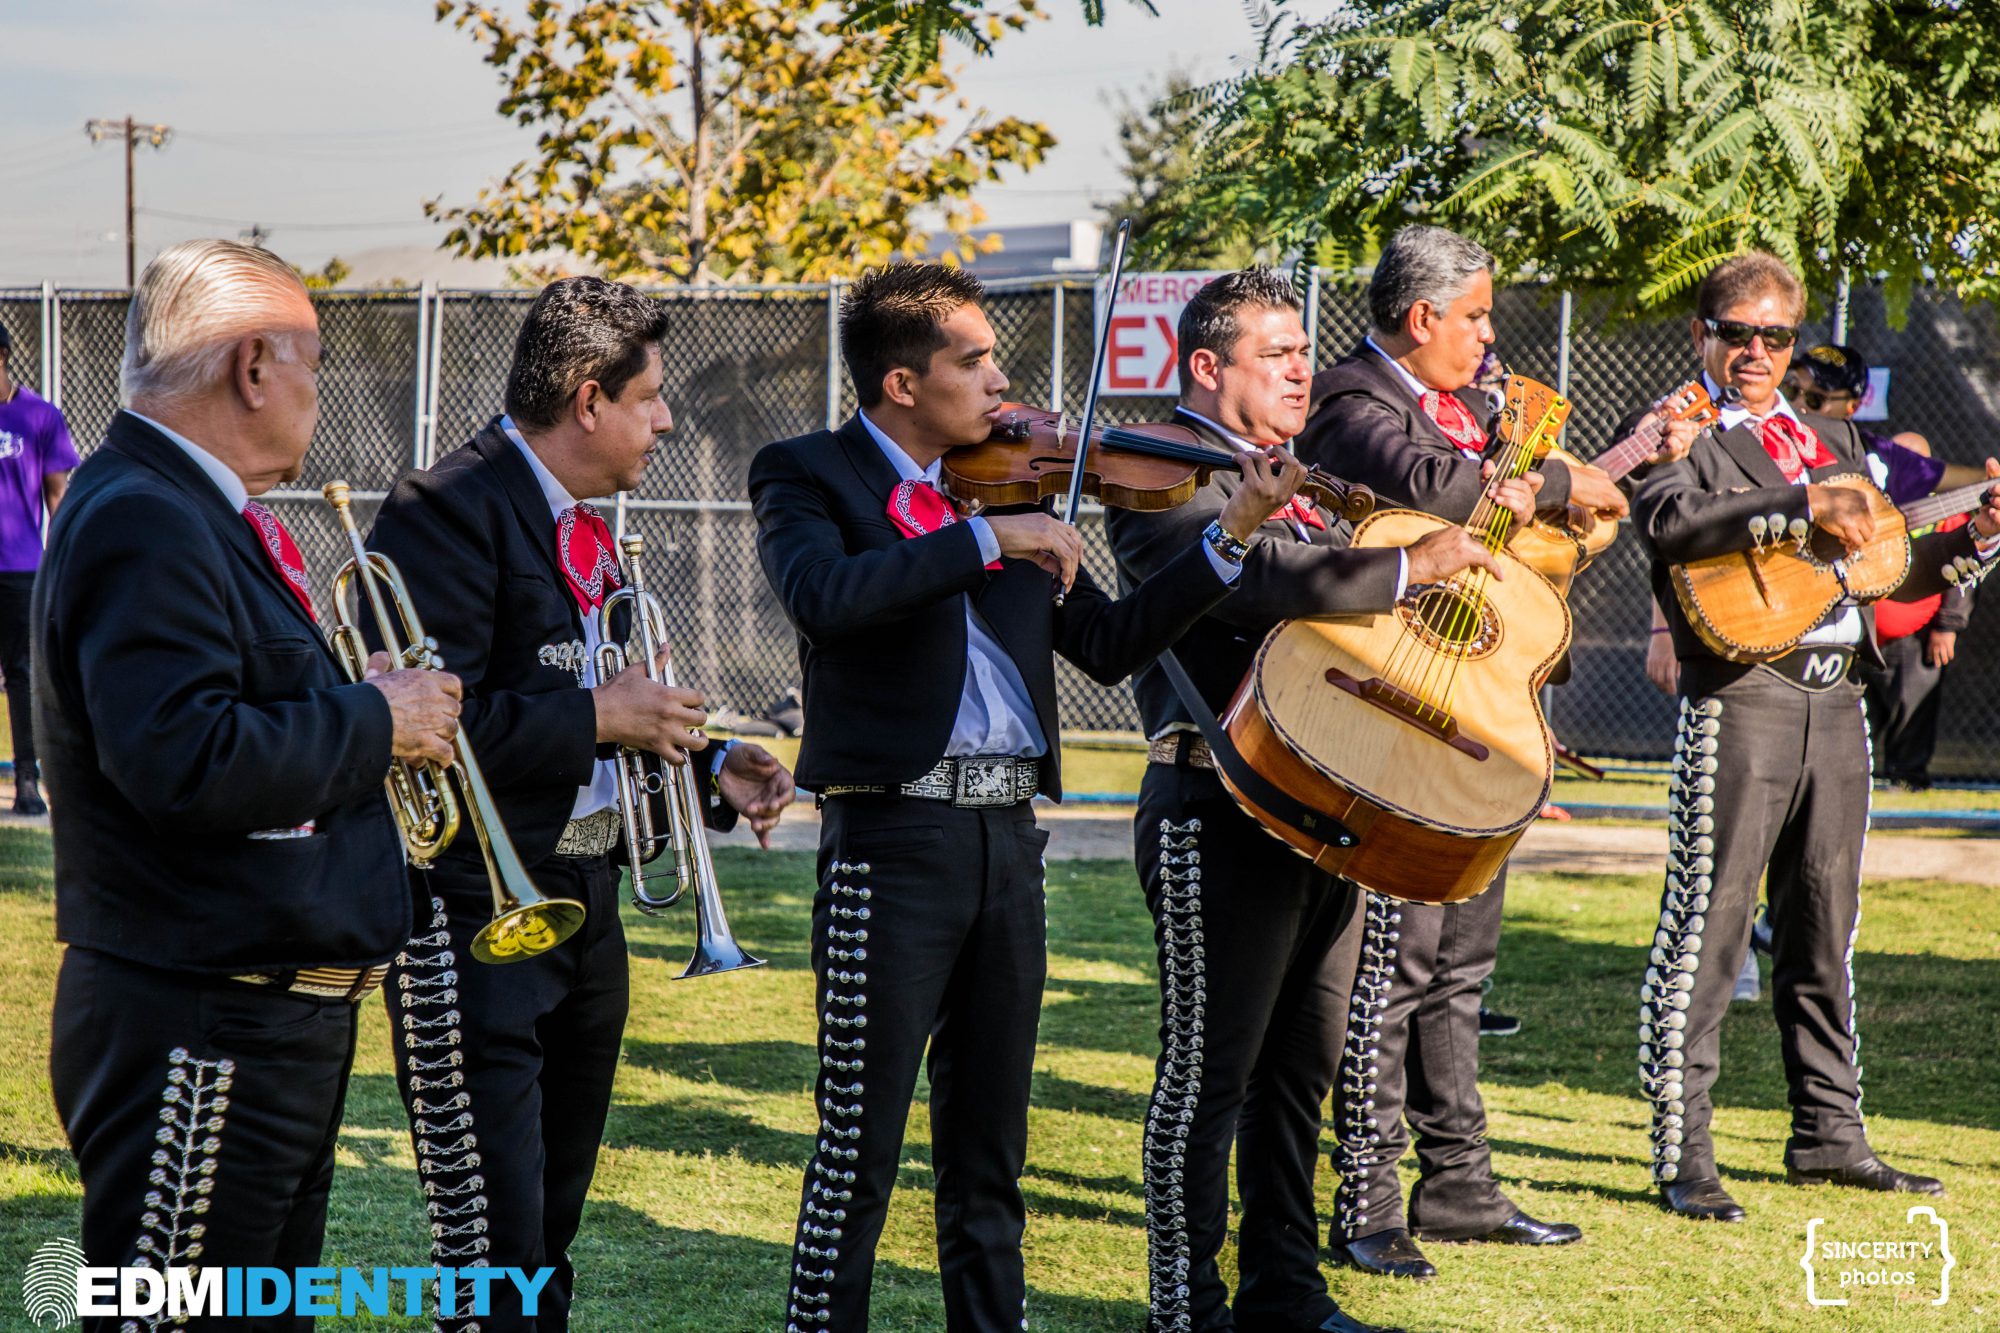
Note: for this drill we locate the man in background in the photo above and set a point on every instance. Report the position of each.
(36, 458)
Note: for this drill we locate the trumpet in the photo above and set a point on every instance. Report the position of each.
(641, 776)
(420, 794)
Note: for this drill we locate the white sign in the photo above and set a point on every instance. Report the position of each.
(1143, 352)
(1875, 398)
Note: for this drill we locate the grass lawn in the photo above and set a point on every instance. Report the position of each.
(691, 1217)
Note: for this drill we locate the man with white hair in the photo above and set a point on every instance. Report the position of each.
(229, 880)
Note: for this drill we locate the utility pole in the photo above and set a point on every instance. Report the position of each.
(157, 136)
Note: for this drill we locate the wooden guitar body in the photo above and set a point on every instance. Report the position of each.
(1350, 716)
(1560, 551)
(1752, 606)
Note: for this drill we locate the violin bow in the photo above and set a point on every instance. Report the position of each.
(1074, 503)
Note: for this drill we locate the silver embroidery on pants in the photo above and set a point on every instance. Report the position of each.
(194, 1109)
(1177, 1092)
(1357, 1131)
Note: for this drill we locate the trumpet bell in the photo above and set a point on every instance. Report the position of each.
(527, 930)
(718, 955)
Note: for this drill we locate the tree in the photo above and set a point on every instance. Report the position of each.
(913, 30)
(1157, 134)
(719, 140)
(1622, 145)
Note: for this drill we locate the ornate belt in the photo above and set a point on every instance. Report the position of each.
(353, 984)
(976, 780)
(1183, 748)
(1814, 669)
(593, 835)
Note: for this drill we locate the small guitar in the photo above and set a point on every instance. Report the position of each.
(1754, 605)
(1559, 551)
(1419, 729)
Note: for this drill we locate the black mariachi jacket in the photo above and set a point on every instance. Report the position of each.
(1702, 506)
(185, 702)
(1282, 577)
(476, 544)
(882, 639)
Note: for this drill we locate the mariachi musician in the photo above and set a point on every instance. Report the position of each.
(928, 647)
(1250, 1012)
(1387, 416)
(229, 880)
(506, 1069)
(1771, 769)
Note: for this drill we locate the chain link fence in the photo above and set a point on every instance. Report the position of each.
(411, 375)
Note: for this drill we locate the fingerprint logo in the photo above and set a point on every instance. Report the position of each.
(48, 1288)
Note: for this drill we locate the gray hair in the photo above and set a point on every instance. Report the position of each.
(1422, 264)
(194, 302)
(1208, 321)
(578, 330)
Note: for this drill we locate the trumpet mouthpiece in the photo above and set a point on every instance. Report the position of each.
(335, 493)
(632, 544)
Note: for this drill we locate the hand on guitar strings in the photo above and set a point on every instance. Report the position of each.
(1436, 556)
(1591, 486)
(1842, 512)
(1514, 494)
(1677, 437)
(1987, 521)
(1042, 538)
(1270, 478)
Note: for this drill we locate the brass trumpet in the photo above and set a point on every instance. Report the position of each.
(642, 776)
(524, 922)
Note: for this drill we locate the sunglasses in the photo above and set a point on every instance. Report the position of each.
(1814, 400)
(1777, 337)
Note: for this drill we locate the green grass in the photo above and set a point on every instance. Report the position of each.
(691, 1216)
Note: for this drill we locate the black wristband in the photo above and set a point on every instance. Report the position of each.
(1225, 543)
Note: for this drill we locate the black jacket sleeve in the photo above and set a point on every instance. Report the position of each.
(823, 588)
(1359, 438)
(162, 680)
(1282, 578)
(1682, 520)
(1109, 640)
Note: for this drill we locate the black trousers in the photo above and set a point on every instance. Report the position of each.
(1412, 1055)
(203, 1113)
(16, 589)
(506, 1072)
(1251, 1020)
(929, 927)
(1903, 699)
(1766, 775)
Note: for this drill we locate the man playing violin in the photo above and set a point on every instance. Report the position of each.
(927, 642)
(1771, 770)
(1250, 1017)
(1388, 416)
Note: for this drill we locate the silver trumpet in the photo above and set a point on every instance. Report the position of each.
(642, 776)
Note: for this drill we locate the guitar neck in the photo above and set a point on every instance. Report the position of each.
(1631, 451)
(1946, 504)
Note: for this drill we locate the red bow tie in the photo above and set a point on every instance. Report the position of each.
(1791, 446)
(282, 552)
(583, 542)
(1454, 420)
(917, 508)
(1299, 509)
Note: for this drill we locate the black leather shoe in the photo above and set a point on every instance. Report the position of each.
(28, 798)
(1339, 1321)
(1388, 1253)
(1870, 1173)
(1520, 1229)
(1702, 1198)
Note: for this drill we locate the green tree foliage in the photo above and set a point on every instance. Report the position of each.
(1157, 135)
(721, 140)
(913, 31)
(1622, 145)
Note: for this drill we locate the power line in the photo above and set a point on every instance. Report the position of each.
(131, 131)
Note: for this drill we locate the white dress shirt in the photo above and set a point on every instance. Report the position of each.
(995, 714)
(601, 792)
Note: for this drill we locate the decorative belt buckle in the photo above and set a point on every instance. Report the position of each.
(988, 781)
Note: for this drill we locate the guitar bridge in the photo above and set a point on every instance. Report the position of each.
(1400, 702)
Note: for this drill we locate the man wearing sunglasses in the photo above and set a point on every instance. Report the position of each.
(1771, 770)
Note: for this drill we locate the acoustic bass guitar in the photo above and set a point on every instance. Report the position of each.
(1416, 733)
(1754, 605)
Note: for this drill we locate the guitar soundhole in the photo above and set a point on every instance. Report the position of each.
(1444, 619)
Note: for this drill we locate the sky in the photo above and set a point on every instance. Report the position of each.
(329, 125)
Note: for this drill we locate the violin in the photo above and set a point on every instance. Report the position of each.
(1032, 455)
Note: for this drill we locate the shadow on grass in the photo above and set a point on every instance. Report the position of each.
(751, 1066)
(1928, 1044)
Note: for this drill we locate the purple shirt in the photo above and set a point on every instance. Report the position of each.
(34, 441)
(1911, 475)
